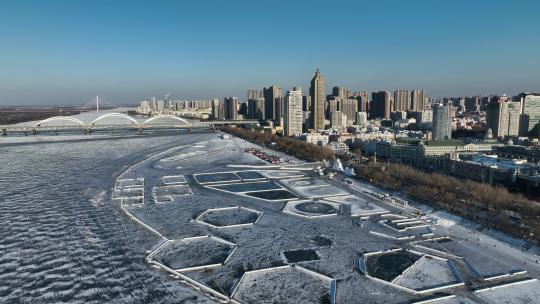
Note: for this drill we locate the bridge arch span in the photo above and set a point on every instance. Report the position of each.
(60, 118)
(153, 118)
(118, 115)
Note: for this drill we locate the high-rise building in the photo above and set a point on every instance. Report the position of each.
(418, 100)
(332, 105)
(338, 120)
(293, 112)
(279, 108)
(253, 94)
(306, 103)
(217, 109)
(341, 92)
(380, 105)
(363, 99)
(349, 107)
(231, 107)
(442, 124)
(530, 114)
(316, 91)
(271, 94)
(402, 100)
(256, 108)
(361, 118)
(503, 117)
(472, 104)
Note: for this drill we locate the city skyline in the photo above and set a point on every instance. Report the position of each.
(66, 52)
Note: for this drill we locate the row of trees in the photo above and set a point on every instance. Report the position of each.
(298, 148)
(491, 206)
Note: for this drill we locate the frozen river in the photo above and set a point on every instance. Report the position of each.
(205, 211)
(61, 240)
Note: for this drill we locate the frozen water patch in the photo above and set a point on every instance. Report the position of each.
(299, 255)
(272, 195)
(246, 187)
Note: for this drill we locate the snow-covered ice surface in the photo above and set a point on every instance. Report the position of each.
(526, 292)
(62, 240)
(426, 273)
(359, 206)
(283, 285)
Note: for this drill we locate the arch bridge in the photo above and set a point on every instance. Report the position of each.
(115, 120)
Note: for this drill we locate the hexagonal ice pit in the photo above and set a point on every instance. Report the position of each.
(284, 285)
(229, 217)
(195, 253)
(311, 209)
(359, 207)
(484, 265)
(410, 270)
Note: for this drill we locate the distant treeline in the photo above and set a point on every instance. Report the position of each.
(491, 206)
(298, 148)
(16, 116)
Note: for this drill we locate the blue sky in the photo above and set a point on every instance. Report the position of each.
(66, 52)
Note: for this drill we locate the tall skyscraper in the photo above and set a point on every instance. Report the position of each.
(279, 108)
(418, 100)
(217, 109)
(363, 99)
(316, 91)
(503, 117)
(442, 124)
(341, 92)
(332, 105)
(306, 103)
(472, 104)
(380, 105)
(338, 120)
(253, 94)
(256, 108)
(402, 100)
(231, 107)
(293, 112)
(349, 107)
(271, 95)
(530, 114)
